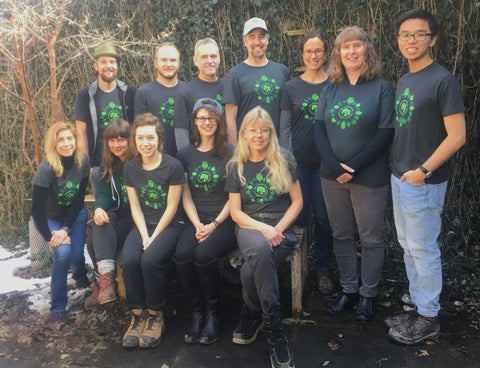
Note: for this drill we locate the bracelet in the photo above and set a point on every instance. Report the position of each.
(216, 223)
(66, 229)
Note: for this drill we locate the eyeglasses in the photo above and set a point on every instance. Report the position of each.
(316, 52)
(416, 36)
(203, 120)
(253, 132)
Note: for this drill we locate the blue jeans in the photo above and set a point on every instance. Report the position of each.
(417, 210)
(312, 197)
(63, 256)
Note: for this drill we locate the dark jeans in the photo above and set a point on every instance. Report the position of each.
(259, 271)
(143, 270)
(109, 237)
(352, 209)
(312, 197)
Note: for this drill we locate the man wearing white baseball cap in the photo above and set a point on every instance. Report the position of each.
(255, 81)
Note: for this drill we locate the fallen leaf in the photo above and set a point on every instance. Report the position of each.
(386, 304)
(333, 345)
(63, 356)
(340, 335)
(325, 363)
(422, 353)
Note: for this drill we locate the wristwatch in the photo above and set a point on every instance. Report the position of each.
(425, 171)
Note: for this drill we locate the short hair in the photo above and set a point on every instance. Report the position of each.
(204, 41)
(418, 14)
(165, 44)
(147, 119)
(51, 153)
(220, 140)
(372, 66)
(111, 163)
(313, 34)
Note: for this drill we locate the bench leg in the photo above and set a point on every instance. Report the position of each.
(297, 287)
(122, 293)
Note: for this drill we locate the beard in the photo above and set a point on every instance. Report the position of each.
(108, 79)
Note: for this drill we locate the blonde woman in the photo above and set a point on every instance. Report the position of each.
(265, 199)
(59, 212)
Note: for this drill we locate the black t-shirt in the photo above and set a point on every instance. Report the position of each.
(159, 100)
(152, 186)
(301, 98)
(251, 86)
(258, 195)
(351, 115)
(206, 179)
(190, 93)
(423, 99)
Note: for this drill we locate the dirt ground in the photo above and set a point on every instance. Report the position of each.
(92, 339)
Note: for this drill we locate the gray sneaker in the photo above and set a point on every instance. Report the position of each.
(416, 330)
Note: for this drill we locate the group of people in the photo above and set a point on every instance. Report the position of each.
(189, 171)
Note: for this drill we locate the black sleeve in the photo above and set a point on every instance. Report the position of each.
(77, 204)
(375, 147)
(39, 202)
(325, 150)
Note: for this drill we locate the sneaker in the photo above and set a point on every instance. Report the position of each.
(92, 299)
(416, 330)
(154, 328)
(107, 289)
(135, 330)
(344, 301)
(280, 356)
(365, 309)
(399, 319)
(57, 321)
(325, 284)
(248, 327)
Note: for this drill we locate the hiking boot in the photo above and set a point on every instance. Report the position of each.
(107, 288)
(280, 356)
(92, 299)
(248, 327)
(399, 319)
(154, 327)
(416, 330)
(365, 308)
(193, 334)
(344, 301)
(57, 321)
(325, 284)
(135, 330)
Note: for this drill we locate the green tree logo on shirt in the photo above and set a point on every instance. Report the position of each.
(346, 113)
(404, 107)
(123, 193)
(110, 112)
(67, 193)
(309, 107)
(204, 177)
(153, 195)
(219, 99)
(267, 89)
(260, 190)
(166, 111)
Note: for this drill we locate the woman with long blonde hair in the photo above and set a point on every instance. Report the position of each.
(265, 199)
(59, 212)
(353, 130)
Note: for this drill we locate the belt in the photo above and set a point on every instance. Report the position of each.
(268, 215)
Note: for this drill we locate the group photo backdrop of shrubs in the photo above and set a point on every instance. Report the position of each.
(64, 65)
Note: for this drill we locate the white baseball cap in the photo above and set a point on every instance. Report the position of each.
(252, 24)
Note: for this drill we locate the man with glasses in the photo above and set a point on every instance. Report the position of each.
(256, 81)
(207, 59)
(158, 96)
(429, 129)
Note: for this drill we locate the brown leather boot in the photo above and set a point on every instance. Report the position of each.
(135, 330)
(154, 328)
(107, 289)
(92, 300)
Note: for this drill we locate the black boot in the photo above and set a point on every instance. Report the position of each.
(250, 324)
(211, 285)
(280, 356)
(189, 278)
